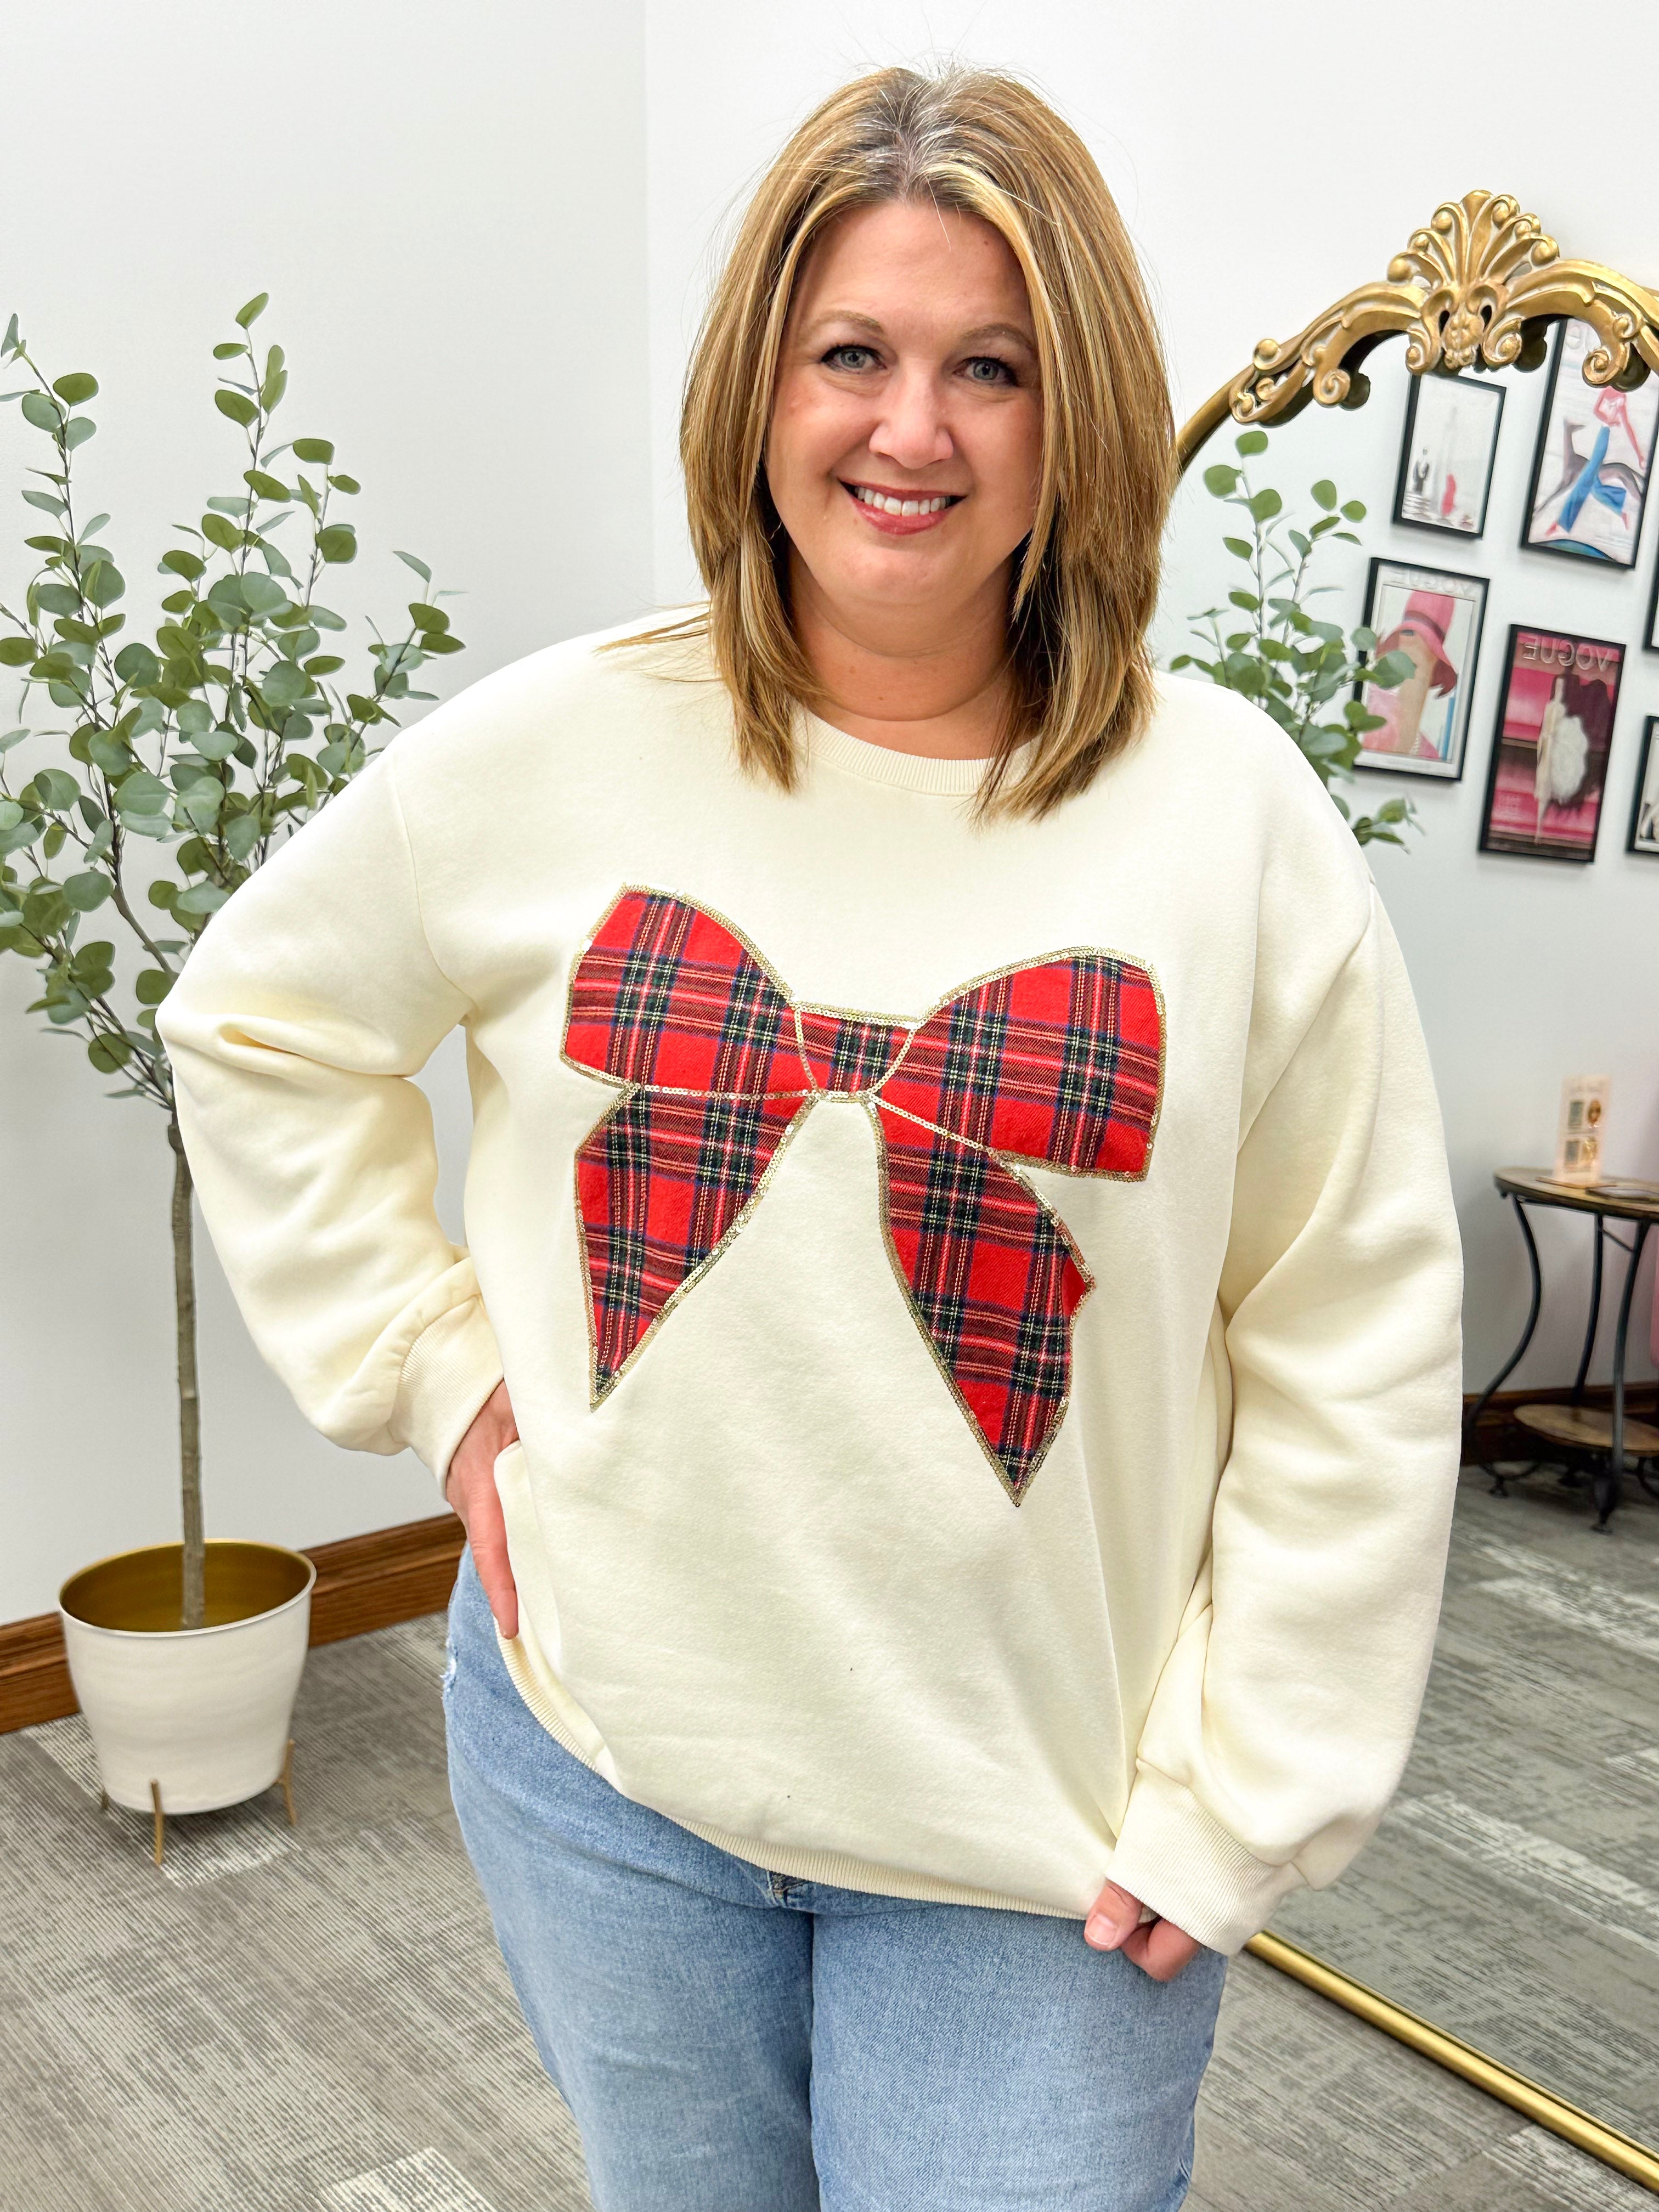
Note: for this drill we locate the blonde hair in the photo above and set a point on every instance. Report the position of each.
(983, 144)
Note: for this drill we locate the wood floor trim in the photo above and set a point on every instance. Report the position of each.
(389, 1575)
(371, 1581)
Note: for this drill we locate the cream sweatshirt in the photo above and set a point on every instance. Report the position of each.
(979, 1301)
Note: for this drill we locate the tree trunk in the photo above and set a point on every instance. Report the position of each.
(190, 1410)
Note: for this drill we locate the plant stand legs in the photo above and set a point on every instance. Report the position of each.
(161, 1819)
(287, 1780)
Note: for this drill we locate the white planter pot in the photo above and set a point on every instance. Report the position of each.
(203, 1713)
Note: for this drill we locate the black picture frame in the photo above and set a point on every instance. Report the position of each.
(1510, 851)
(1565, 549)
(1406, 764)
(1648, 761)
(1486, 391)
(1649, 642)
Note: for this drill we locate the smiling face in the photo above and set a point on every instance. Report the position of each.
(904, 450)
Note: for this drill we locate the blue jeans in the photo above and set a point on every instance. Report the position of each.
(732, 2040)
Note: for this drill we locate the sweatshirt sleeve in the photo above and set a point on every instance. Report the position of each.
(309, 1002)
(1281, 1722)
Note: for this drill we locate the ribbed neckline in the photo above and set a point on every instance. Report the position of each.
(948, 779)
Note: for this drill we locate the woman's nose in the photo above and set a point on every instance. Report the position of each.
(912, 432)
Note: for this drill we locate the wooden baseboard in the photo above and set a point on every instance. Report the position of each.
(366, 1582)
(397, 1574)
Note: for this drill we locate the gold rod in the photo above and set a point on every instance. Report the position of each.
(1620, 2151)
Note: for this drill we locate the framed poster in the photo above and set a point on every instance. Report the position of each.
(1433, 615)
(1549, 755)
(1645, 811)
(1589, 473)
(1447, 452)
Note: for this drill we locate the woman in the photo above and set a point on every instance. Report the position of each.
(954, 1387)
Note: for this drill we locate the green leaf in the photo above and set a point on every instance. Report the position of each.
(428, 617)
(419, 567)
(104, 583)
(1324, 493)
(57, 598)
(78, 430)
(44, 413)
(323, 664)
(141, 792)
(76, 389)
(183, 564)
(218, 531)
(267, 487)
(325, 618)
(314, 449)
(109, 1054)
(1220, 481)
(262, 594)
(1393, 668)
(137, 664)
(443, 642)
(241, 836)
(201, 898)
(1248, 600)
(1265, 505)
(45, 500)
(282, 684)
(15, 651)
(230, 351)
(338, 543)
(1239, 546)
(152, 985)
(349, 485)
(237, 404)
(1354, 509)
(163, 893)
(87, 890)
(252, 310)
(1250, 442)
(56, 788)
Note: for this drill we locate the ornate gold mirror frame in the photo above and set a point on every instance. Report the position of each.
(1479, 287)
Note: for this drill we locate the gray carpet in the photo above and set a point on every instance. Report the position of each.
(316, 2019)
(1512, 1894)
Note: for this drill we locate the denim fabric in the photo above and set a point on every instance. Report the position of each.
(734, 2041)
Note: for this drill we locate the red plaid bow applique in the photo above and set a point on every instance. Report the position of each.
(1057, 1062)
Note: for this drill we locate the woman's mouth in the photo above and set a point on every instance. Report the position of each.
(901, 514)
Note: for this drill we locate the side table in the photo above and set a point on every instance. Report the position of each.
(1607, 1441)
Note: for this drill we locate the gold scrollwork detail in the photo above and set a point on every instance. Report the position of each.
(1472, 289)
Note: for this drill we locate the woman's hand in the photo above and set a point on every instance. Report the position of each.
(470, 1487)
(1159, 1948)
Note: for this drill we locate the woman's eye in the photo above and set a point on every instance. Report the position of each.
(986, 369)
(849, 356)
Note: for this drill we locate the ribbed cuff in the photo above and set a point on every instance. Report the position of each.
(451, 1368)
(1173, 1856)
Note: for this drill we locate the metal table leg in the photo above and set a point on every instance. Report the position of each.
(1471, 1423)
(1608, 1479)
(1593, 1323)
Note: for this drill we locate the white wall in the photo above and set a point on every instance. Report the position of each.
(447, 207)
(1264, 166)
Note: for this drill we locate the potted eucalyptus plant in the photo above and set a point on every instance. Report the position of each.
(149, 779)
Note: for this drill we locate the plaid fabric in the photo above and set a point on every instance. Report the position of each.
(1058, 1063)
